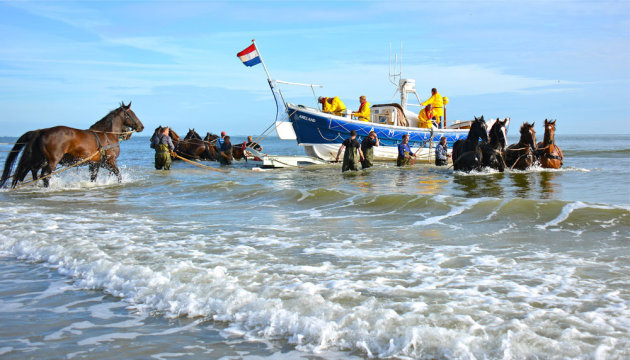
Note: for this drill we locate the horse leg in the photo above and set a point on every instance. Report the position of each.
(111, 165)
(93, 171)
(46, 171)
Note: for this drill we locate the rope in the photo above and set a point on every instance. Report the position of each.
(525, 148)
(518, 159)
(58, 171)
(198, 164)
(114, 132)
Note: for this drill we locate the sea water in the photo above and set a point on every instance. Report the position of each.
(418, 262)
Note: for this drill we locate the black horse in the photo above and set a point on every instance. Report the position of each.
(493, 152)
(522, 154)
(467, 153)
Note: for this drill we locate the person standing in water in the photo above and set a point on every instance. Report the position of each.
(441, 153)
(163, 146)
(367, 147)
(350, 158)
(404, 152)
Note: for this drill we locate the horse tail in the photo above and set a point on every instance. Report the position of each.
(28, 162)
(13, 154)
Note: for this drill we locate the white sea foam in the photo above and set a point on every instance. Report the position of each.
(456, 210)
(384, 292)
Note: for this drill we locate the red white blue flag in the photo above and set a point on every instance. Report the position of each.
(249, 56)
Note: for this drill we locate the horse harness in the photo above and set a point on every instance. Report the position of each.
(549, 156)
(103, 149)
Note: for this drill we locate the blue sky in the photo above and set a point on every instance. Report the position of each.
(69, 63)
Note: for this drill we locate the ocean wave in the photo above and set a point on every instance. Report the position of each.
(615, 154)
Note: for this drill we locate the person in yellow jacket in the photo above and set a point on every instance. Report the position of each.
(425, 116)
(438, 105)
(333, 105)
(363, 113)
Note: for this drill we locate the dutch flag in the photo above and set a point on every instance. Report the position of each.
(249, 56)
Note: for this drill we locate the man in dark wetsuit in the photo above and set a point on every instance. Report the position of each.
(252, 144)
(225, 154)
(350, 159)
(163, 146)
(367, 147)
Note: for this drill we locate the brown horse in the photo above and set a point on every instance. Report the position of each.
(193, 147)
(549, 155)
(521, 155)
(46, 148)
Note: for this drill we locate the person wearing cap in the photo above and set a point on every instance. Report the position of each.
(350, 158)
(363, 113)
(438, 102)
(219, 143)
(404, 152)
(332, 105)
(441, 153)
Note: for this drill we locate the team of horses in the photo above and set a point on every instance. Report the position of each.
(483, 148)
(42, 150)
(193, 147)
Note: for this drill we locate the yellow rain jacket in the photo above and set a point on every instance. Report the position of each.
(438, 105)
(364, 113)
(337, 107)
(326, 105)
(424, 121)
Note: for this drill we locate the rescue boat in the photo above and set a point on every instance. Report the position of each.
(322, 133)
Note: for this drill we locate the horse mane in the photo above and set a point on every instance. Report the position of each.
(525, 134)
(211, 136)
(192, 134)
(105, 123)
(548, 138)
(495, 132)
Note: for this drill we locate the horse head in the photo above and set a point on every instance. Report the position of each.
(130, 120)
(174, 137)
(478, 129)
(192, 134)
(210, 137)
(498, 132)
(528, 135)
(550, 131)
(157, 130)
(238, 151)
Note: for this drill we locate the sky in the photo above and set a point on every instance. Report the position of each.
(70, 63)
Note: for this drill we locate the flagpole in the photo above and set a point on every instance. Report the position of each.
(263, 64)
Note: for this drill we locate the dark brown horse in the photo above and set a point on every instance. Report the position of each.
(467, 153)
(549, 155)
(46, 148)
(521, 155)
(494, 150)
(193, 147)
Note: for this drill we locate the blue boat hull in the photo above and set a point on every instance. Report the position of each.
(317, 130)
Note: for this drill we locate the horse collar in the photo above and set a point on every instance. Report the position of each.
(101, 149)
